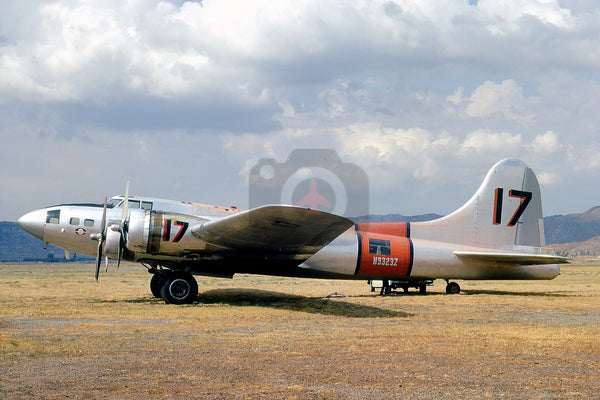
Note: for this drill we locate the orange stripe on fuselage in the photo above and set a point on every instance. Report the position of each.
(386, 250)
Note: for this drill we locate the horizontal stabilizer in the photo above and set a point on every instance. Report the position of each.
(274, 229)
(513, 258)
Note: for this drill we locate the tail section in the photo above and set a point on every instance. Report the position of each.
(505, 213)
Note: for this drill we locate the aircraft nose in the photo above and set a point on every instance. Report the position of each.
(33, 223)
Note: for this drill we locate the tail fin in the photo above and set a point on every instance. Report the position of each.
(504, 213)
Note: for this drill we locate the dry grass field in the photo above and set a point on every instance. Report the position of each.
(62, 335)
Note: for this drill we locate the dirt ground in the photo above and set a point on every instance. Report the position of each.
(62, 335)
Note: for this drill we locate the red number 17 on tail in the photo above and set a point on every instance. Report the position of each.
(525, 199)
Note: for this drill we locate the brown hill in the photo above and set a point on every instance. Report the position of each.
(572, 227)
(588, 248)
(590, 215)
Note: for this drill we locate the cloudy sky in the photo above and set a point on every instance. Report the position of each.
(184, 98)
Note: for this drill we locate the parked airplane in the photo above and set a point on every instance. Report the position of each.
(497, 234)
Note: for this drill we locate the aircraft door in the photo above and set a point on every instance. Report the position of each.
(55, 229)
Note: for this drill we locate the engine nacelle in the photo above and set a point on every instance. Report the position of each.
(112, 241)
(137, 232)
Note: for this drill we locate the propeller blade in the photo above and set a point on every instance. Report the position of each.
(101, 238)
(120, 253)
(103, 223)
(98, 258)
(125, 215)
(124, 225)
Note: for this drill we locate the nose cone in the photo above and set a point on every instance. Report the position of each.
(33, 223)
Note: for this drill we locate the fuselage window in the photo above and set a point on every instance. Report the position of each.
(134, 204)
(74, 221)
(53, 216)
(88, 222)
(146, 205)
(380, 247)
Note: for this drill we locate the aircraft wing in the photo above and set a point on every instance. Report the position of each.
(274, 229)
(513, 258)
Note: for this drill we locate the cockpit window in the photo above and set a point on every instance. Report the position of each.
(74, 221)
(53, 216)
(133, 204)
(112, 203)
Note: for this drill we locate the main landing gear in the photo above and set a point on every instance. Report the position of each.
(452, 287)
(156, 284)
(175, 287)
(388, 286)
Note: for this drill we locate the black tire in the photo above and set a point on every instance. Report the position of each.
(156, 284)
(422, 288)
(452, 288)
(179, 288)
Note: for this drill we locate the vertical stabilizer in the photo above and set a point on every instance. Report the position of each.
(505, 212)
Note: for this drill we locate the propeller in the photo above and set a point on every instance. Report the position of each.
(109, 232)
(124, 225)
(100, 237)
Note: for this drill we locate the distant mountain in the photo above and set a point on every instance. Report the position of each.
(589, 248)
(16, 245)
(573, 227)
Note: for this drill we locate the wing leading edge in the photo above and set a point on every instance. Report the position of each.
(274, 229)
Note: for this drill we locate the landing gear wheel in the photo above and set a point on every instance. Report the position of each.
(179, 288)
(156, 284)
(452, 288)
(422, 288)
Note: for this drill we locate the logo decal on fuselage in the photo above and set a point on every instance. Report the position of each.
(80, 231)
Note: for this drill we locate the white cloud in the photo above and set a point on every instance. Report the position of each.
(77, 47)
(490, 98)
(585, 158)
(546, 143)
(377, 144)
(547, 179)
(499, 143)
(419, 93)
(508, 12)
(456, 97)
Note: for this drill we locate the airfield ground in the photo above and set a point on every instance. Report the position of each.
(62, 335)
